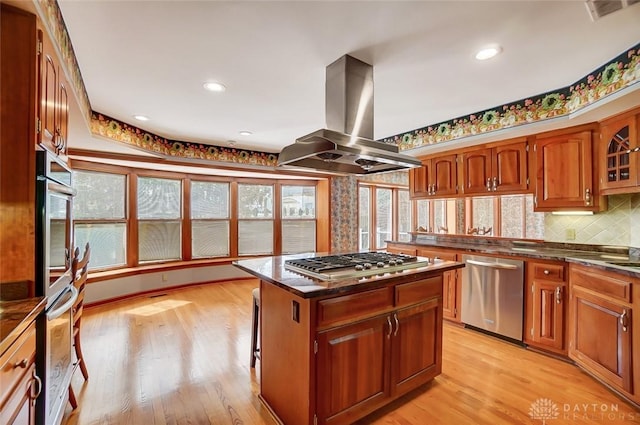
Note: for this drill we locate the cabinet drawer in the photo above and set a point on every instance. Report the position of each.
(16, 361)
(603, 282)
(548, 271)
(443, 255)
(362, 304)
(15, 410)
(415, 292)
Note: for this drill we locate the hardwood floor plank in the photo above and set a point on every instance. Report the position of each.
(183, 358)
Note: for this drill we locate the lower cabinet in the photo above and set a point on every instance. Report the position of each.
(601, 333)
(451, 284)
(20, 384)
(546, 306)
(362, 366)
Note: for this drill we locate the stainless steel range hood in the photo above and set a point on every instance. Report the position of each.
(346, 145)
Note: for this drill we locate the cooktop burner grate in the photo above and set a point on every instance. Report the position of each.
(336, 262)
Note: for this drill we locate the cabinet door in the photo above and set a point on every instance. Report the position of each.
(564, 172)
(19, 408)
(547, 310)
(49, 94)
(510, 168)
(444, 177)
(450, 295)
(601, 337)
(353, 369)
(416, 347)
(620, 169)
(419, 180)
(476, 171)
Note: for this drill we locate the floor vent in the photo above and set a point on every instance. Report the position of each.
(599, 8)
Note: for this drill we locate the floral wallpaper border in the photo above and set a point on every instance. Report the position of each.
(623, 71)
(114, 129)
(51, 15)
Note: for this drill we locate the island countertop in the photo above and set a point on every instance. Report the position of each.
(272, 270)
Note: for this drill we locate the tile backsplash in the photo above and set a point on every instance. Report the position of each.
(619, 225)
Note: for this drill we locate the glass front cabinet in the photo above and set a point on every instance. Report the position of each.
(620, 166)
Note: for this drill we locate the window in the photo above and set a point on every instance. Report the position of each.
(365, 213)
(159, 219)
(255, 219)
(99, 217)
(209, 219)
(385, 209)
(298, 205)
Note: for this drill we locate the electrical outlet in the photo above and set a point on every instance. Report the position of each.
(570, 234)
(165, 277)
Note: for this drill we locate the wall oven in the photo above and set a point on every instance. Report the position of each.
(54, 245)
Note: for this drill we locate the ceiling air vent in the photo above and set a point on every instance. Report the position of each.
(599, 8)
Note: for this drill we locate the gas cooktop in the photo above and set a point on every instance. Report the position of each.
(359, 264)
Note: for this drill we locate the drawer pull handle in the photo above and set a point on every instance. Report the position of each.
(35, 394)
(390, 327)
(546, 272)
(558, 295)
(489, 184)
(623, 320)
(22, 364)
(494, 186)
(395, 317)
(587, 197)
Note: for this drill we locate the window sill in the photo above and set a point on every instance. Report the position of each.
(99, 276)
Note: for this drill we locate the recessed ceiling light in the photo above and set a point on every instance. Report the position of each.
(488, 52)
(213, 86)
(245, 133)
(141, 117)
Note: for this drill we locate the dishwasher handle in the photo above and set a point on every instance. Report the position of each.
(493, 265)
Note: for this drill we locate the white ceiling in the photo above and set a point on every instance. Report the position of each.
(151, 58)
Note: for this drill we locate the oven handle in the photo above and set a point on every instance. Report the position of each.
(54, 314)
(492, 265)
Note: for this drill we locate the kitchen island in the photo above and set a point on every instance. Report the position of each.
(333, 351)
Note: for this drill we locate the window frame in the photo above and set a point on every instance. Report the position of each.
(374, 244)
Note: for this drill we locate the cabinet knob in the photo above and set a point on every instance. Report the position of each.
(22, 364)
(546, 272)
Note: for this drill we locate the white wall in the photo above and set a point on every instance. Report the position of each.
(129, 285)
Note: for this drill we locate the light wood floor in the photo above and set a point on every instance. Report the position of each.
(183, 358)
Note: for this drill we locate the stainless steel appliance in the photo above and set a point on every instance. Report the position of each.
(492, 295)
(359, 264)
(54, 243)
(346, 146)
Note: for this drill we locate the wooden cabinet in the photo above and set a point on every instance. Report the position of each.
(436, 178)
(499, 169)
(546, 306)
(54, 99)
(620, 169)
(601, 325)
(18, 63)
(451, 284)
(362, 365)
(565, 174)
(20, 384)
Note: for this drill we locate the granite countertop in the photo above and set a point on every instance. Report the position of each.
(15, 317)
(597, 256)
(271, 269)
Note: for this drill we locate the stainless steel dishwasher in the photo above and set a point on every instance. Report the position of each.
(492, 295)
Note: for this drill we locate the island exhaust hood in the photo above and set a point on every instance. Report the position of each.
(346, 146)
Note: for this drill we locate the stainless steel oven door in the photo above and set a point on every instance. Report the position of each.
(57, 361)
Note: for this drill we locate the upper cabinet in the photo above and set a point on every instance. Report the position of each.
(436, 178)
(565, 176)
(620, 168)
(54, 99)
(499, 169)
